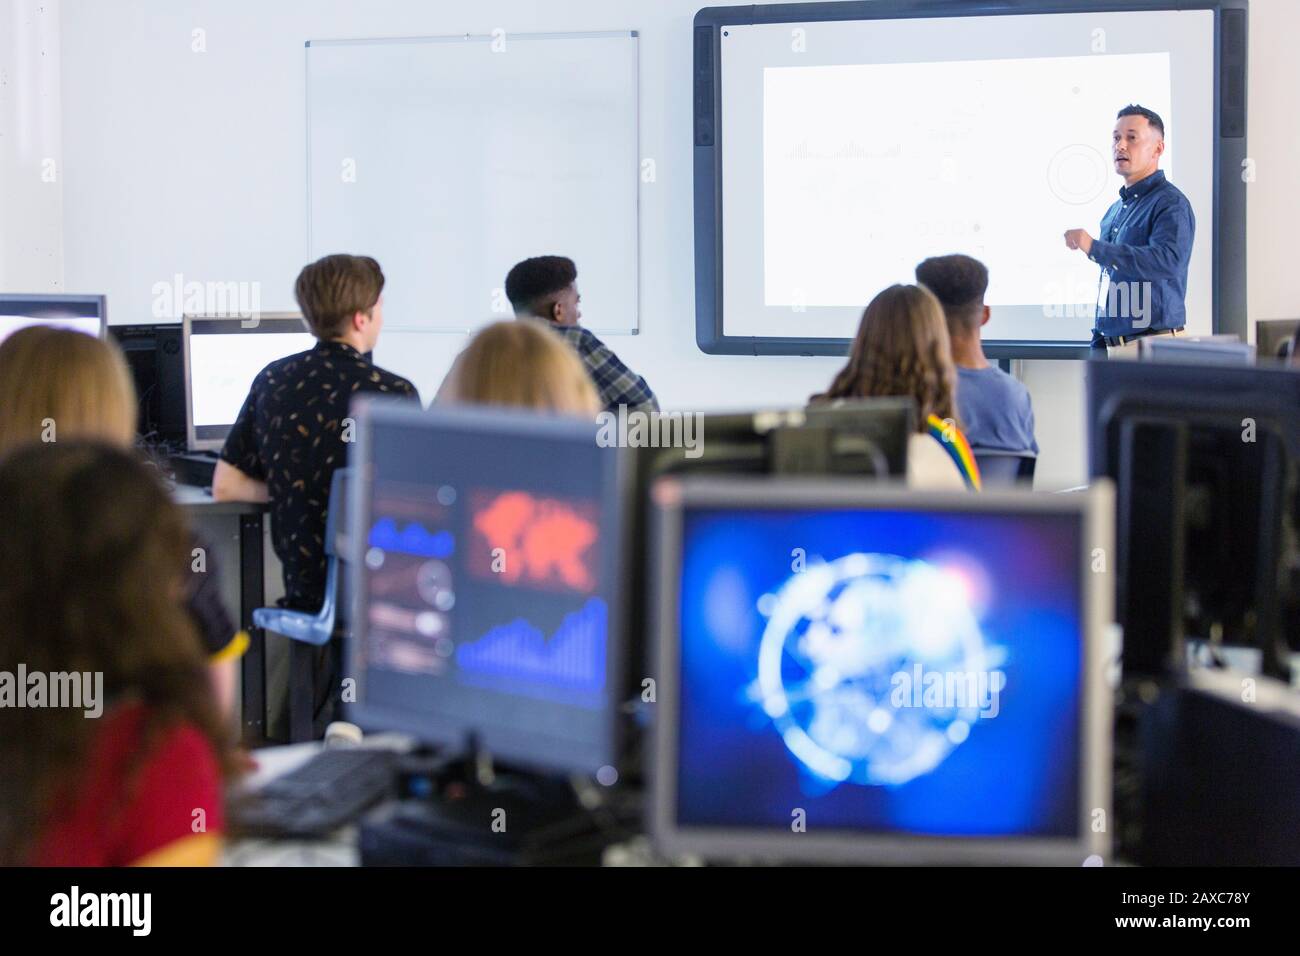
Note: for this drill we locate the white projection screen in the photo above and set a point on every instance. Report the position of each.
(838, 145)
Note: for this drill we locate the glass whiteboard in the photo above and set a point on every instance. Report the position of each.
(449, 159)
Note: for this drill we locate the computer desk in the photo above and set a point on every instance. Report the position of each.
(200, 505)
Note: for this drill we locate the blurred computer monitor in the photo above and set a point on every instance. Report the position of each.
(84, 313)
(490, 596)
(1218, 773)
(1206, 461)
(1273, 338)
(863, 437)
(852, 673)
(154, 353)
(1211, 349)
(222, 357)
(867, 437)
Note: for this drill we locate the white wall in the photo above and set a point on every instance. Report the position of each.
(31, 181)
(193, 162)
(1273, 199)
(178, 161)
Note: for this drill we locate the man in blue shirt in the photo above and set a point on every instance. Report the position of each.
(994, 407)
(1146, 240)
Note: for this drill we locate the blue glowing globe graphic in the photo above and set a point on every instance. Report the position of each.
(839, 639)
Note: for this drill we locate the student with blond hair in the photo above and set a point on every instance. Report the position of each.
(902, 350)
(59, 386)
(57, 383)
(521, 363)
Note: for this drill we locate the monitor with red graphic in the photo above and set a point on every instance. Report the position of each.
(489, 599)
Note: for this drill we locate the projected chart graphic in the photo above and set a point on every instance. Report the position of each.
(519, 658)
(527, 539)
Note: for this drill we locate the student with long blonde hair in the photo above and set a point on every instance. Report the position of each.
(58, 386)
(902, 350)
(524, 364)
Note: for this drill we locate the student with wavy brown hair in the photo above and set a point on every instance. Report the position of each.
(59, 385)
(130, 769)
(902, 350)
(522, 364)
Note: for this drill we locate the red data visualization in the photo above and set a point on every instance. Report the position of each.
(544, 542)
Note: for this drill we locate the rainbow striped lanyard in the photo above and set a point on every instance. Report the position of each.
(951, 439)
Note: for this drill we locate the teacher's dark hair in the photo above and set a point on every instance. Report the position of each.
(1152, 117)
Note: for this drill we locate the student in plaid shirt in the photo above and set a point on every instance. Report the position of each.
(544, 287)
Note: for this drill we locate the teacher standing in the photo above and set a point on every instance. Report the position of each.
(1146, 240)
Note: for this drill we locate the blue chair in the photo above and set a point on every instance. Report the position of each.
(1004, 468)
(309, 632)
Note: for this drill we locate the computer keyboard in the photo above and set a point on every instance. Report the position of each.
(330, 790)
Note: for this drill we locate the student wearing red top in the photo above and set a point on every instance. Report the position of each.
(92, 583)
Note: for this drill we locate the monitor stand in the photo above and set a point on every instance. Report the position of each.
(464, 811)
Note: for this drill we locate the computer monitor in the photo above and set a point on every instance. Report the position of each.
(222, 357)
(867, 438)
(490, 605)
(1273, 338)
(154, 353)
(864, 674)
(1211, 349)
(859, 437)
(1218, 773)
(84, 313)
(1206, 460)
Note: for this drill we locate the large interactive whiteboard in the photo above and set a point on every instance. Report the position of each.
(449, 159)
(839, 144)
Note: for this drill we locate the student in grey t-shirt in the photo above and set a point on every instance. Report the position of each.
(994, 407)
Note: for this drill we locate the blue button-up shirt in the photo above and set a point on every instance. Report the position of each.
(1145, 237)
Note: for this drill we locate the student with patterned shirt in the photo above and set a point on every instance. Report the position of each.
(545, 287)
(289, 436)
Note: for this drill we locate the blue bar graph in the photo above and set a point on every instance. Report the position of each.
(518, 656)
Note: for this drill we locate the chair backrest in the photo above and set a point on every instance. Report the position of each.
(336, 518)
(1000, 468)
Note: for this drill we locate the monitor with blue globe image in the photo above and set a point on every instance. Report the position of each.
(912, 672)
